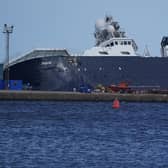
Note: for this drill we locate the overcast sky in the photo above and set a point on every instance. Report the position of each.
(70, 23)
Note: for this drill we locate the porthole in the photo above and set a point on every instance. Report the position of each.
(85, 69)
(103, 52)
(125, 52)
(100, 68)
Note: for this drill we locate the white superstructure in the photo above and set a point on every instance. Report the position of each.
(111, 40)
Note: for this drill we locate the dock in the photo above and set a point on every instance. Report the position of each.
(77, 96)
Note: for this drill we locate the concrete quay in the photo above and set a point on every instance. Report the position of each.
(77, 96)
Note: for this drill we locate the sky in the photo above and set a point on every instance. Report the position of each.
(70, 24)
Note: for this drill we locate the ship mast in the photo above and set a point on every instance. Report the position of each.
(146, 51)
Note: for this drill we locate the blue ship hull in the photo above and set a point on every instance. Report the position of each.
(63, 73)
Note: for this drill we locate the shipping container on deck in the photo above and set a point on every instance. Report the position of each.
(1, 71)
(15, 85)
(2, 84)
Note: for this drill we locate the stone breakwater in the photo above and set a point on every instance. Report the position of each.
(77, 96)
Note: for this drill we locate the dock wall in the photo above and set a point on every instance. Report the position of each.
(76, 96)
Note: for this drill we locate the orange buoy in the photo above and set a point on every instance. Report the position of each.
(116, 103)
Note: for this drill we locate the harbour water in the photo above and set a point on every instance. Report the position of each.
(83, 134)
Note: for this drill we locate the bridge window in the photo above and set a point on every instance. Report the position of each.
(129, 42)
(125, 42)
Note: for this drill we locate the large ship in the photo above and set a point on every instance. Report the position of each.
(112, 60)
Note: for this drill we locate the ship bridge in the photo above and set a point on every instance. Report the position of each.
(114, 47)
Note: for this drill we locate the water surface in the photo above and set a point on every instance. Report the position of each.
(83, 134)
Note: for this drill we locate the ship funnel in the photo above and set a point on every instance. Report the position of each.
(164, 46)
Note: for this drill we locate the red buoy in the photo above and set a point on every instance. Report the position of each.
(116, 103)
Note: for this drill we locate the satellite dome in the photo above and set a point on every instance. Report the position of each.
(100, 24)
(110, 28)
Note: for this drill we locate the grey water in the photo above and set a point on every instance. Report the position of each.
(83, 134)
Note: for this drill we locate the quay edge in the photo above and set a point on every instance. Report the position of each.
(77, 96)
